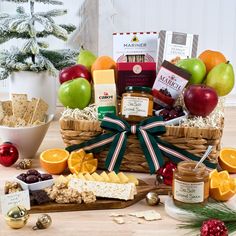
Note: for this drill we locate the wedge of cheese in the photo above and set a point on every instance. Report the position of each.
(104, 189)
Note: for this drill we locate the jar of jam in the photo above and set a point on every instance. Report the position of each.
(189, 185)
(136, 103)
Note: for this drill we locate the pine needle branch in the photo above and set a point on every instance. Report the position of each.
(216, 210)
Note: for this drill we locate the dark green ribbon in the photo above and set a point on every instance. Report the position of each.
(147, 133)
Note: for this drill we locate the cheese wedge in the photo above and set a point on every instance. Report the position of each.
(81, 176)
(113, 177)
(105, 176)
(89, 177)
(97, 177)
(123, 178)
(103, 189)
(132, 179)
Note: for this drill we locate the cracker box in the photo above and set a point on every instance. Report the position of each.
(174, 46)
(135, 47)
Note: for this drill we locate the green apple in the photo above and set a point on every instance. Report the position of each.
(75, 93)
(221, 78)
(86, 58)
(195, 67)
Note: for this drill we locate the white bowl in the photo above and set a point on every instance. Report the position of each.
(175, 121)
(26, 139)
(35, 186)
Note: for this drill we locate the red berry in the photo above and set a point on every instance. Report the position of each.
(213, 227)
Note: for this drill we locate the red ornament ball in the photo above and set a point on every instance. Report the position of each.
(8, 154)
(165, 173)
(213, 227)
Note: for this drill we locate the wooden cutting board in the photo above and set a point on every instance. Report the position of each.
(100, 204)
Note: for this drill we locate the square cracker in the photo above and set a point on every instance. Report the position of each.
(40, 111)
(7, 108)
(2, 113)
(29, 111)
(19, 104)
(9, 121)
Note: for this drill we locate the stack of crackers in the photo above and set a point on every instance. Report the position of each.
(21, 112)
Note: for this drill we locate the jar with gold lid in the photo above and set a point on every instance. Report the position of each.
(189, 185)
(136, 104)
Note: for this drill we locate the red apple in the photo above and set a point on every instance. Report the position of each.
(200, 99)
(74, 72)
(8, 154)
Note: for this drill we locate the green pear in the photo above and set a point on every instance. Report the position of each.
(195, 67)
(221, 78)
(86, 58)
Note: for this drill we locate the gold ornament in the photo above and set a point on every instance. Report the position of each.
(43, 222)
(152, 199)
(17, 217)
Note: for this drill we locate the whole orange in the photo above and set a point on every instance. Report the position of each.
(211, 58)
(103, 63)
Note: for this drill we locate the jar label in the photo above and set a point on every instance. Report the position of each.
(188, 192)
(135, 106)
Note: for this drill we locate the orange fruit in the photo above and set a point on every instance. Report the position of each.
(212, 58)
(81, 162)
(54, 161)
(227, 159)
(103, 63)
(222, 186)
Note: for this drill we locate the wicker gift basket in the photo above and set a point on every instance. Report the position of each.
(193, 135)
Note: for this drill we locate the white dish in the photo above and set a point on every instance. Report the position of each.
(35, 186)
(26, 139)
(175, 121)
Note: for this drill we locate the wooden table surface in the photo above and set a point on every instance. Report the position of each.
(99, 222)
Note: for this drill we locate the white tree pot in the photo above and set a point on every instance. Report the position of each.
(38, 85)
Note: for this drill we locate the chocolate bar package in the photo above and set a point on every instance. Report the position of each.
(135, 74)
(169, 84)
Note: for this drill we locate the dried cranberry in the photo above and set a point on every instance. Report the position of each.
(164, 113)
(173, 114)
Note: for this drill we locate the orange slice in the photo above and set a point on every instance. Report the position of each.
(227, 159)
(222, 186)
(54, 161)
(81, 162)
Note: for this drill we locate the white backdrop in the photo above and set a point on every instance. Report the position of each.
(213, 20)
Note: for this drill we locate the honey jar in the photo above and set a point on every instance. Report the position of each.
(136, 103)
(190, 185)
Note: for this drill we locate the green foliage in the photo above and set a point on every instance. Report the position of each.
(33, 56)
(214, 210)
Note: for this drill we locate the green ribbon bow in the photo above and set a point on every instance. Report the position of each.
(147, 133)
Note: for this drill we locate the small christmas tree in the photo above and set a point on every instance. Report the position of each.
(33, 27)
